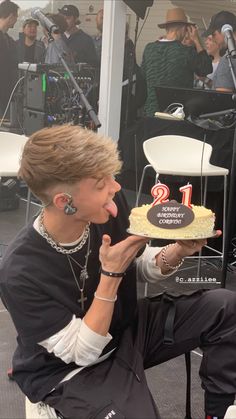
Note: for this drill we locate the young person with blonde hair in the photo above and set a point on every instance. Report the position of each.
(69, 282)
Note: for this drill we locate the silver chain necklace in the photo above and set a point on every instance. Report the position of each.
(56, 246)
(84, 272)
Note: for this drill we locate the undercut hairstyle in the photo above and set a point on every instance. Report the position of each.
(64, 155)
(7, 8)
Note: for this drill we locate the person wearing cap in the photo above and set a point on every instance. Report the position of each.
(167, 62)
(30, 49)
(222, 80)
(79, 42)
(8, 67)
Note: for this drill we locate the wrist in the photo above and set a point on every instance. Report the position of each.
(108, 286)
(179, 252)
(169, 260)
(102, 298)
(112, 274)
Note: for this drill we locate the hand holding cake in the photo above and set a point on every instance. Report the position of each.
(190, 225)
(172, 256)
(189, 247)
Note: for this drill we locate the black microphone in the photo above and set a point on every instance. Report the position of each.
(227, 30)
(37, 13)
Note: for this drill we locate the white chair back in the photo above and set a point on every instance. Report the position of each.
(231, 412)
(11, 146)
(179, 155)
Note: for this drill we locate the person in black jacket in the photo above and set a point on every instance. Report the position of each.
(8, 67)
(80, 43)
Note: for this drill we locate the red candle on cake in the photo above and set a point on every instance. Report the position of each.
(187, 194)
(160, 193)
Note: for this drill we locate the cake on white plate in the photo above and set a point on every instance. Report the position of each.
(201, 226)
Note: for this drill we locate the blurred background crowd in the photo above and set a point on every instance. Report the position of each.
(179, 52)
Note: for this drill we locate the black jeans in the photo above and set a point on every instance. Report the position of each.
(117, 387)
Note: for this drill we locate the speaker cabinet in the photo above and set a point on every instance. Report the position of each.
(33, 121)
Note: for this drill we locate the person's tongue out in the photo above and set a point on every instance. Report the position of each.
(111, 208)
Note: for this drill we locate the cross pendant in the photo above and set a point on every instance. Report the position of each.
(82, 299)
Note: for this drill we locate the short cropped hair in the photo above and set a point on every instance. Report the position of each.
(64, 155)
(7, 8)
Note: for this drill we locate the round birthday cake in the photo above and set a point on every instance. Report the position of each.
(201, 226)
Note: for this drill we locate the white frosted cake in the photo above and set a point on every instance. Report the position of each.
(201, 226)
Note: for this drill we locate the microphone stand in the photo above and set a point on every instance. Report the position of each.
(92, 114)
(229, 57)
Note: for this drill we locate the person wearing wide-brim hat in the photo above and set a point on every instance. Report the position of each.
(175, 16)
(168, 62)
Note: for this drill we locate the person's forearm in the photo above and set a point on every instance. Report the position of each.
(99, 316)
(77, 343)
(114, 259)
